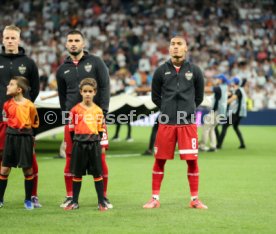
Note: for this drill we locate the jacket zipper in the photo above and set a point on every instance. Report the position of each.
(77, 72)
(11, 68)
(177, 84)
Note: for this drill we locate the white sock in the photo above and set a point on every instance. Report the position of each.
(156, 197)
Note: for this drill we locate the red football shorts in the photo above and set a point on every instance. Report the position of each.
(168, 135)
(3, 127)
(69, 144)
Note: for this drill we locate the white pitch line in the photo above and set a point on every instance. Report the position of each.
(122, 155)
(108, 156)
(115, 156)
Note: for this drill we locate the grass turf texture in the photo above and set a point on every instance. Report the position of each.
(237, 185)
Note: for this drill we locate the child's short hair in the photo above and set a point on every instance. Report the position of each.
(22, 83)
(89, 81)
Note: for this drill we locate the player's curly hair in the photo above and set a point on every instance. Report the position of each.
(88, 81)
(22, 83)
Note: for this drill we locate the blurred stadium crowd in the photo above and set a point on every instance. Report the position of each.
(237, 38)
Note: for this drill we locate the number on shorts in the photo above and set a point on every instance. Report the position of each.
(193, 143)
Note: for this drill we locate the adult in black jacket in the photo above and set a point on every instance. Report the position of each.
(177, 89)
(76, 67)
(14, 62)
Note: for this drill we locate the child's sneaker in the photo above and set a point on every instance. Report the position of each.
(66, 202)
(72, 206)
(197, 204)
(28, 205)
(108, 203)
(36, 202)
(1, 204)
(152, 203)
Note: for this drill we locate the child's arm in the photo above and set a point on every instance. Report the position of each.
(34, 117)
(34, 120)
(100, 123)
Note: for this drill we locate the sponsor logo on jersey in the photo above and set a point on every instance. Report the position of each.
(167, 73)
(189, 75)
(66, 71)
(88, 67)
(22, 69)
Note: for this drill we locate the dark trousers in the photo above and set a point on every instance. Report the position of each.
(118, 127)
(217, 132)
(235, 122)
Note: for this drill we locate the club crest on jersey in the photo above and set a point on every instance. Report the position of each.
(88, 67)
(22, 69)
(189, 75)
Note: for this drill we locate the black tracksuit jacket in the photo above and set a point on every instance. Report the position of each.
(17, 65)
(173, 92)
(70, 75)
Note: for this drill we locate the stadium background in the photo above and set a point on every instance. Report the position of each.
(234, 37)
(237, 38)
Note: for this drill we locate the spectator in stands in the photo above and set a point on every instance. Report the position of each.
(272, 98)
(143, 81)
(258, 98)
(226, 33)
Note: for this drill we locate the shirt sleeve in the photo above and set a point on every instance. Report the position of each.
(100, 122)
(103, 86)
(34, 117)
(34, 81)
(61, 90)
(156, 88)
(199, 86)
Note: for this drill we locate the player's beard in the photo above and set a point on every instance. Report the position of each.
(177, 57)
(177, 60)
(75, 53)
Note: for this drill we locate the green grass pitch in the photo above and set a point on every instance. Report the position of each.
(237, 185)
